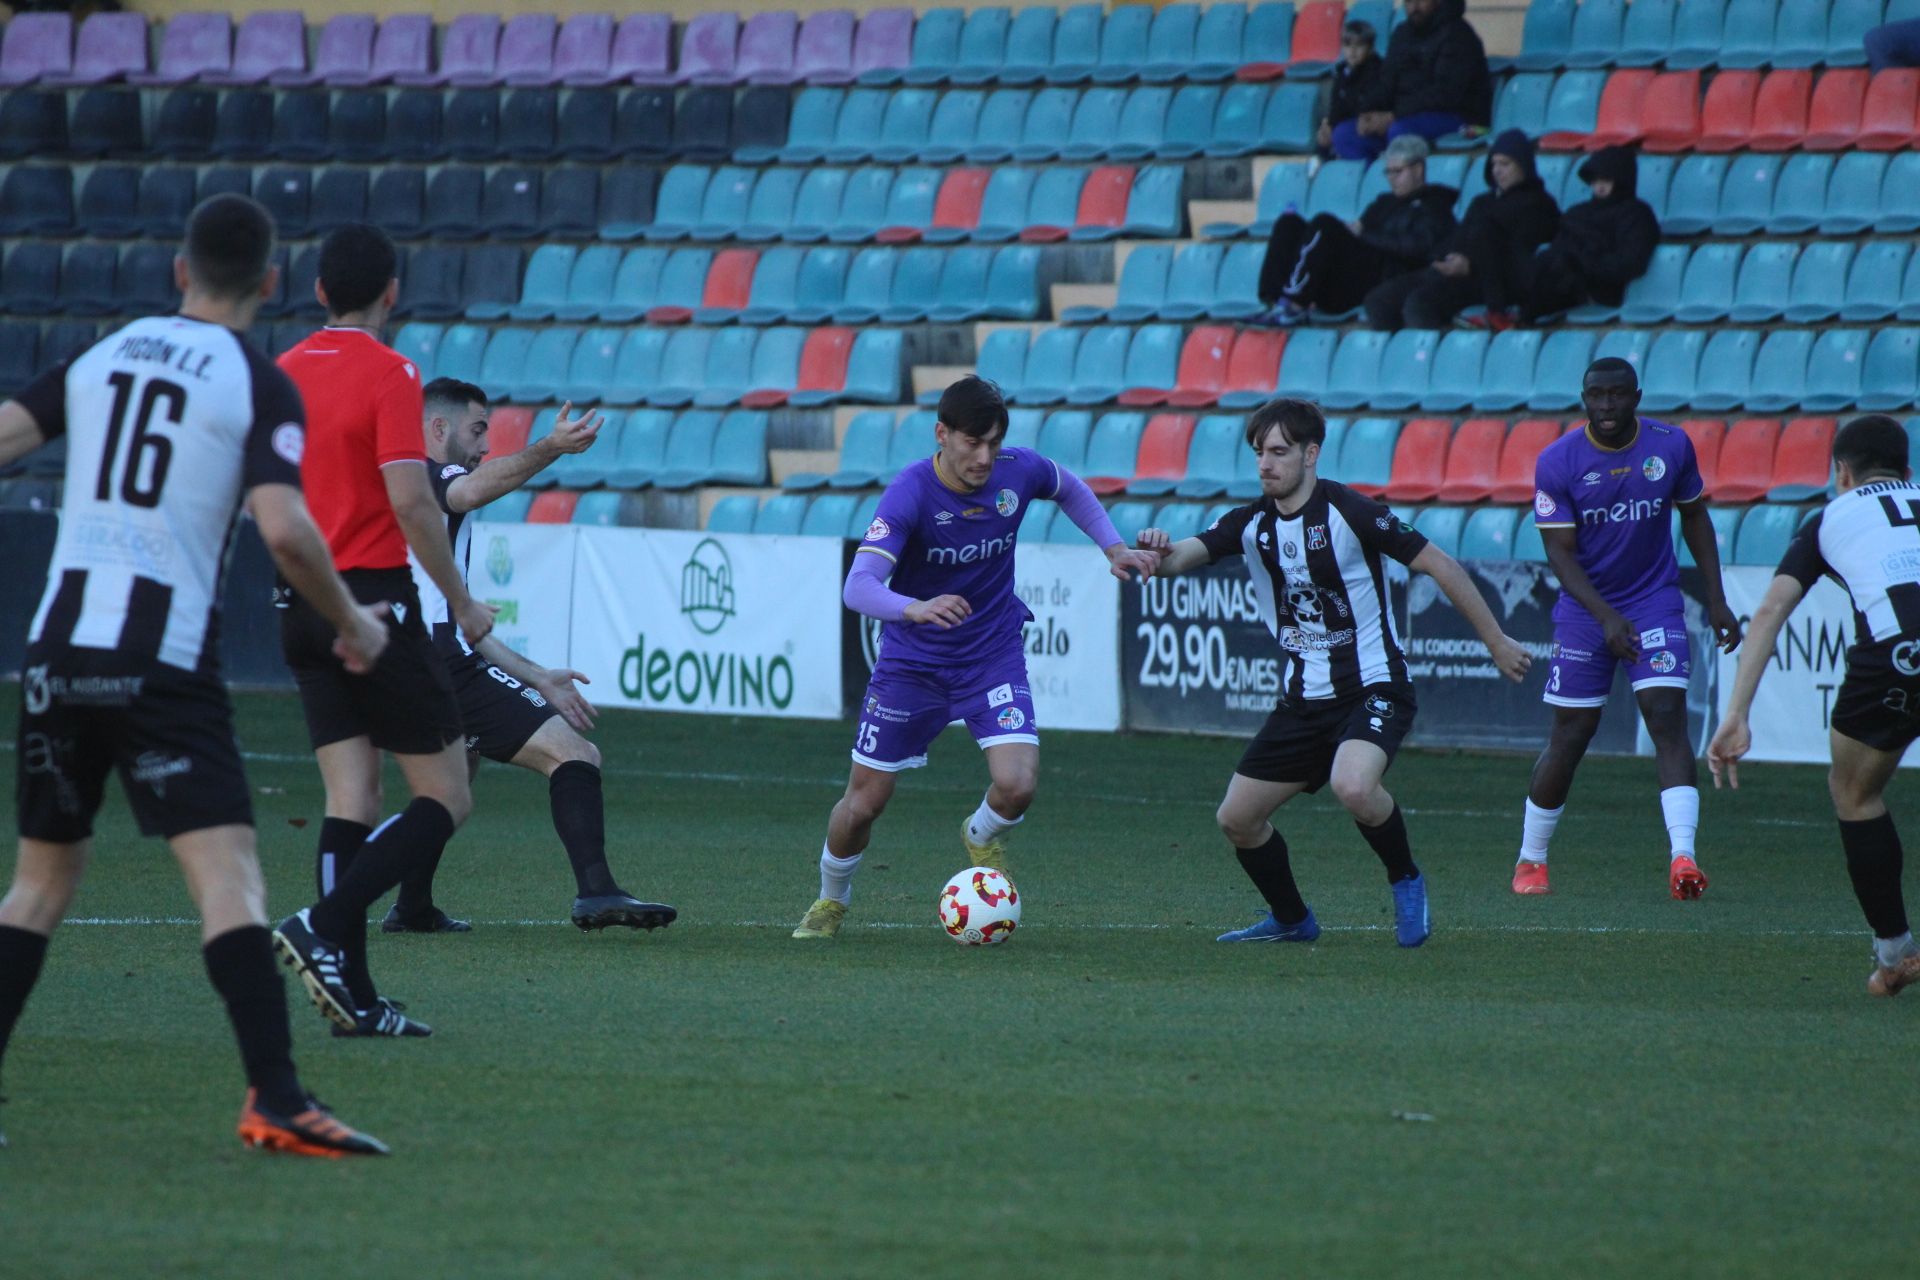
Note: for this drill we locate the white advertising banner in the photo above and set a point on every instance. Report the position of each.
(1792, 709)
(526, 571)
(689, 621)
(1073, 642)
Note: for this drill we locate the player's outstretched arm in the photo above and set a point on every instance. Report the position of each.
(20, 434)
(497, 477)
(425, 528)
(553, 683)
(1084, 509)
(300, 553)
(1696, 526)
(1508, 656)
(1175, 557)
(1733, 739)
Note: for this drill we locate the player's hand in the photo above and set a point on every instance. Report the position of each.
(1726, 625)
(1514, 662)
(359, 646)
(475, 619)
(1730, 741)
(556, 686)
(1453, 265)
(1123, 561)
(1622, 639)
(944, 612)
(575, 435)
(1156, 540)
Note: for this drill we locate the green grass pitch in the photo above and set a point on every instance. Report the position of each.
(1602, 1082)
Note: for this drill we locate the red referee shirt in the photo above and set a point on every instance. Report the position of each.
(363, 412)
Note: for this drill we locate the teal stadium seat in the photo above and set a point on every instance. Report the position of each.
(690, 445)
(907, 127)
(1456, 377)
(1672, 367)
(729, 366)
(1180, 519)
(1526, 541)
(541, 428)
(1002, 359)
(1004, 204)
(1764, 533)
(936, 46)
(600, 509)
(636, 285)
(1545, 35)
(733, 514)
(1099, 365)
(1023, 429)
(1013, 283)
(781, 514)
(1190, 120)
(1442, 526)
(1488, 534)
(1405, 371)
(950, 133)
(1900, 195)
(863, 516)
(1154, 205)
(1747, 194)
(1819, 282)
(508, 508)
(1647, 33)
(1050, 365)
(1366, 455)
(770, 211)
(912, 441)
(817, 206)
(1800, 195)
(637, 366)
(1123, 43)
(1693, 198)
(1888, 377)
(505, 359)
(1517, 363)
(822, 286)
(1747, 34)
(1596, 34)
(1780, 371)
(1038, 520)
(1835, 370)
(863, 205)
(869, 287)
(963, 293)
(1237, 121)
(1355, 373)
(1760, 292)
(776, 286)
(856, 130)
(543, 291)
(828, 514)
(1212, 456)
(591, 371)
(874, 370)
(1726, 370)
(1076, 44)
(1111, 450)
(543, 377)
(419, 343)
(1654, 297)
(1064, 438)
(1853, 193)
(590, 284)
(1289, 121)
(1873, 283)
(1236, 294)
(1048, 122)
(1096, 123)
(683, 369)
(641, 452)
(1029, 45)
(1142, 128)
(1306, 362)
(1153, 365)
(1697, 34)
(810, 126)
(677, 206)
(915, 285)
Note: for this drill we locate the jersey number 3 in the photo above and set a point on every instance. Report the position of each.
(148, 453)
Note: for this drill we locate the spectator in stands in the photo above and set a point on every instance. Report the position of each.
(1434, 82)
(1893, 44)
(1487, 257)
(1603, 245)
(1354, 79)
(1330, 264)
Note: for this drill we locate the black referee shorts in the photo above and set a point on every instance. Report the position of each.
(1299, 740)
(1879, 703)
(498, 711)
(86, 713)
(404, 705)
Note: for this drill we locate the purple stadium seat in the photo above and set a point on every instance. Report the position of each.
(766, 48)
(267, 44)
(111, 45)
(37, 44)
(404, 47)
(526, 49)
(344, 55)
(884, 43)
(469, 56)
(193, 45)
(823, 54)
(643, 49)
(585, 46)
(708, 49)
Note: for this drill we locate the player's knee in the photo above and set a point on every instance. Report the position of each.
(583, 751)
(1016, 792)
(1356, 791)
(1574, 732)
(1853, 801)
(1242, 830)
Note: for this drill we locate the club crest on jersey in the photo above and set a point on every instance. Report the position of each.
(1289, 549)
(1653, 468)
(1007, 502)
(1316, 537)
(878, 530)
(1379, 707)
(290, 442)
(1011, 718)
(1906, 657)
(451, 470)
(1663, 661)
(1384, 523)
(1543, 505)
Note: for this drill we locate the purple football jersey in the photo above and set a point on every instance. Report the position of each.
(942, 542)
(1619, 503)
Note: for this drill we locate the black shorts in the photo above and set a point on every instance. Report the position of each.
(169, 733)
(405, 704)
(1879, 703)
(1298, 741)
(499, 712)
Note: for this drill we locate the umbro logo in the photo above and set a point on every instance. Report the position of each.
(1592, 477)
(944, 517)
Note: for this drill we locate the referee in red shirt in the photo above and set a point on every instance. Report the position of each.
(365, 475)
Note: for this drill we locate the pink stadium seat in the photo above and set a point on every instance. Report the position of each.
(823, 52)
(469, 54)
(1726, 118)
(730, 279)
(767, 47)
(37, 45)
(884, 41)
(1203, 367)
(526, 49)
(404, 47)
(823, 367)
(343, 56)
(643, 49)
(1888, 114)
(709, 49)
(1473, 460)
(1803, 460)
(1163, 450)
(1835, 114)
(1513, 479)
(1419, 460)
(584, 49)
(267, 45)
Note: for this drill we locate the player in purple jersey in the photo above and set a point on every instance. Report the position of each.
(1604, 498)
(936, 567)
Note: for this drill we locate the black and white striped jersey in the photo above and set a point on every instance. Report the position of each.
(1321, 587)
(169, 421)
(434, 610)
(1868, 538)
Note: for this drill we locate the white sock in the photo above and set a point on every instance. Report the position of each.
(1888, 952)
(985, 824)
(1681, 805)
(1536, 831)
(836, 875)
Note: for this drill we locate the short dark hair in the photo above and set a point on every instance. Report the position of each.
(1612, 364)
(356, 262)
(1359, 29)
(229, 245)
(1870, 444)
(974, 407)
(1300, 421)
(452, 391)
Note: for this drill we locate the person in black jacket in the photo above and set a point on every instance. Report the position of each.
(1488, 257)
(1354, 80)
(1434, 82)
(1330, 264)
(1603, 245)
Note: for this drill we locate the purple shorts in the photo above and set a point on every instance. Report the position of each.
(906, 707)
(1581, 672)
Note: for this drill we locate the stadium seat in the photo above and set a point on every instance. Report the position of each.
(1213, 456)
(1697, 33)
(1508, 375)
(530, 124)
(863, 451)
(1802, 460)
(1835, 114)
(729, 368)
(1307, 359)
(1419, 460)
(549, 273)
(1288, 122)
(1693, 197)
(1780, 370)
(1154, 204)
(1889, 373)
(1513, 479)
(1406, 367)
(1836, 371)
(683, 369)
(1620, 118)
(1472, 461)
(782, 514)
(1098, 372)
(30, 279)
(689, 458)
(1819, 282)
(641, 451)
(595, 365)
(1489, 534)
(1669, 116)
(1744, 470)
(1671, 370)
(1456, 374)
(1874, 282)
(1780, 110)
(1064, 437)
(1112, 450)
(823, 367)
(1594, 40)
(192, 46)
(1238, 121)
(601, 510)
(1718, 279)
(1707, 435)
(510, 203)
(1368, 452)
(39, 46)
(1900, 195)
(1253, 368)
(1316, 38)
(1800, 196)
(1764, 534)
(419, 343)
(723, 205)
(1546, 35)
(1573, 108)
(1853, 193)
(1355, 375)
(827, 516)
(1152, 368)
(823, 48)
(1201, 376)
(1888, 111)
(1726, 370)
(1746, 195)
(555, 506)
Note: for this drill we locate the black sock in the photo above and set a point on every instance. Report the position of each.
(1874, 859)
(240, 962)
(1389, 841)
(402, 843)
(416, 890)
(580, 817)
(22, 952)
(340, 841)
(1272, 875)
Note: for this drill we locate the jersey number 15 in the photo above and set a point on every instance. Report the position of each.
(148, 453)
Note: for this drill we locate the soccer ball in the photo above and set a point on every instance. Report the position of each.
(979, 907)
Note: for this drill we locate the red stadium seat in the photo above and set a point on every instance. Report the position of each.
(730, 279)
(1203, 367)
(1803, 460)
(1103, 201)
(1889, 112)
(1254, 367)
(555, 506)
(1473, 460)
(1746, 461)
(1513, 480)
(1670, 113)
(507, 430)
(1163, 451)
(1622, 107)
(1316, 31)
(823, 361)
(1780, 110)
(1726, 119)
(1419, 460)
(1834, 115)
(958, 204)
(1707, 435)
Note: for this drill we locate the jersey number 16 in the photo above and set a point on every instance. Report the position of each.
(148, 452)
